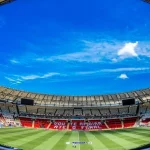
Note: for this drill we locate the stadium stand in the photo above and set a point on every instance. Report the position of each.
(114, 123)
(129, 122)
(145, 121)
(41, 123)
(26, 122)
(95, 112)
(77, 125)
(59, 125)
(54, 112)
(96, 124)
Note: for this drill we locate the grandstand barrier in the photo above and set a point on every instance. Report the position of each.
(59, 125)
(86, 125)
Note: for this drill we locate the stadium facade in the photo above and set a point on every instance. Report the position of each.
(99, 112)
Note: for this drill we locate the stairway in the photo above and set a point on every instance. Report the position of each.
(122, 124)
(48, 125)
(68, 126)
(106, 125)
(2, 119)
(137, 123)
(33, 123)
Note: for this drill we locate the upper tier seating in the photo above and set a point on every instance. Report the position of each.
(104, 112)
(50, 111)
(68, 112)
(86, 112)
(114, 111)
(77, 112)
(95, 112)
(59, 112)
(4, 109)
(123, 110)
(132, 110)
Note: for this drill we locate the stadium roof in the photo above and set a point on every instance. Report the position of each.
(2, 2)
(12, 95)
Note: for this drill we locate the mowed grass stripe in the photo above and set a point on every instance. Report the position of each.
(20, 136)
(12, 130)
(130, 138)
(7, 129)
(141, 128)
(96, 144)
(138, 134)
(135, 132)
(134, 136)
(8, 134)
(21, 141)
(37, 140)
(124, 143)
(62, 141)
(73, 138)
(141, 131)
(107, 141)
(51, 141)
(83, 138)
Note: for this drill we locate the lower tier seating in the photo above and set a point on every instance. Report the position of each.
(145, 121)
(59, 125)
(96, 124)
(41, 123)
(26, 122)
(92, 124)
(114, 123)
(129, 122)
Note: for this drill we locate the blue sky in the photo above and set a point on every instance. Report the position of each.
(75, 47)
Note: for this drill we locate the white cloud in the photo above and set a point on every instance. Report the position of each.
(123, 76)
(87, 72)
(111, 51)
(128, 50)
(93, 52)
(30, 77)
(20, 78)
(114, 60)
(33, 77)
(124, 69)
(10, 79)
(111, 71)
(14, 81)
(14, 61)
(25, 59)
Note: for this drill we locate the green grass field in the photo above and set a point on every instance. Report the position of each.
(39, 139)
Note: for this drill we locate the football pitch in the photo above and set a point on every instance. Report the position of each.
(40, 139)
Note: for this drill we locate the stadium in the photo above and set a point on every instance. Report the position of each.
(40, 39)
(66, 119)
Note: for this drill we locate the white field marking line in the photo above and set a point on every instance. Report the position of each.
(79, 140)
